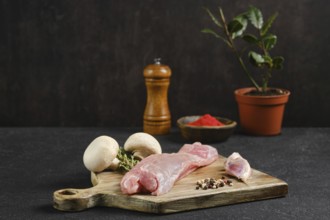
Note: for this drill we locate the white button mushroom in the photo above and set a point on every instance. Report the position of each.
(142, 145)
(101, 154)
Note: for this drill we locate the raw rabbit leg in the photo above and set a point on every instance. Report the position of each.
(158, 173)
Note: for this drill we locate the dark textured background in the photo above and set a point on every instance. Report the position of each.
(80, 62)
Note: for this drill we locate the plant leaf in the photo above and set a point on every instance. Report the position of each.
(209, 31)
(234, 26)
(255, 17)
(214, 19)
(222, 15)
(256, 59)
(268, 24)
(244, 22)
(278, 62)
(268, 61)
(250, 38)
(270, 41)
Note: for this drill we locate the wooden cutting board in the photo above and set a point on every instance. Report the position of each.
(182, 197)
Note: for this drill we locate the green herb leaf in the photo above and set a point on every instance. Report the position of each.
(250, 38)
(278, 62)
(255, 17)
(268, 24)
(209, 31)
(244, 22)
(268, 61)
(222, 16)
(256, 59)
(126, 160)
(270, 41)
(234, 26)
(214, 19)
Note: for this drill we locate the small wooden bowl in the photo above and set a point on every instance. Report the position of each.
(205, 134)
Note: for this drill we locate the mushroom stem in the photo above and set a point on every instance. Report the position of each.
(115, 164)
(142, 145)
(141, 154)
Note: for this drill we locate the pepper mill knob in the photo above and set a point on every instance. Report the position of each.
(157, 117)
(157, 61)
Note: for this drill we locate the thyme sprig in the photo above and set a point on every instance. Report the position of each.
(127, 160)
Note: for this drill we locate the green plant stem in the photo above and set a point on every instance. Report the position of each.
(262, 46)
(264, 84)
(233, 47)
(268, 73)
(246, 71)
(266, 78)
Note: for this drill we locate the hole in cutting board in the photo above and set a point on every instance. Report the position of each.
(67, 192)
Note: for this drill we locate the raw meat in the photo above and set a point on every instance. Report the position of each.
(158, 173)
(237, 166)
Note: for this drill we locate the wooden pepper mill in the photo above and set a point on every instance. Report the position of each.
(157, 117)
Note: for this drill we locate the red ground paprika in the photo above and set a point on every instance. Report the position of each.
(206, 120)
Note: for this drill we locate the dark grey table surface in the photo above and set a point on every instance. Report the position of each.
(34, 162)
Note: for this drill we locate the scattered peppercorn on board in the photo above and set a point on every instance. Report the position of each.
(184, 195)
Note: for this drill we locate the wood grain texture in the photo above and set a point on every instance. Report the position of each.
(157, 117)
(182, 197)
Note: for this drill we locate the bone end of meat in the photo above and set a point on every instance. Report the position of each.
(237, 166)
(131, 185)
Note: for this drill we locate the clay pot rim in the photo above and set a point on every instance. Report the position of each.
(241, 92)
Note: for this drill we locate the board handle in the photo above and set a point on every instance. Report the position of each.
(75, 199)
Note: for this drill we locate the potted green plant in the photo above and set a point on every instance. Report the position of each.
(261, 107)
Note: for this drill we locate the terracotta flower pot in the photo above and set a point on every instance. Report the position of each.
(261, 115)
